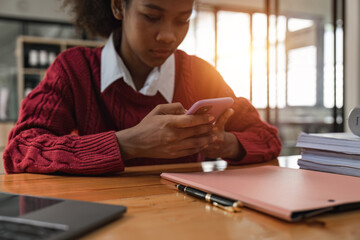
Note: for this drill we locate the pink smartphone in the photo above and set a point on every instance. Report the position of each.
(213, 106)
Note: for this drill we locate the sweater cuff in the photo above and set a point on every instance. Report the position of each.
(254, 150)
(99, 153)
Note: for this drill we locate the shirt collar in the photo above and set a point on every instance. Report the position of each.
(160, 79)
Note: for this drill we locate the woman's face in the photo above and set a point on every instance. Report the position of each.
(153, 29)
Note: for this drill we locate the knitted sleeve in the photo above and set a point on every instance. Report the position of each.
(259, 139)
(41, 141)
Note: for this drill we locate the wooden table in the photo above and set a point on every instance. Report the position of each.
(158, 211)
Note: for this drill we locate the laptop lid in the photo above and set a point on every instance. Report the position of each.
(72, 218)
(290, 194)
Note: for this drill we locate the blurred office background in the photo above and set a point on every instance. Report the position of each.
(296, 61)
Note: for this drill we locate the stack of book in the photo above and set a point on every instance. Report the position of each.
(330, 152)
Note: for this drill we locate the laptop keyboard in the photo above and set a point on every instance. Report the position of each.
(25, 231)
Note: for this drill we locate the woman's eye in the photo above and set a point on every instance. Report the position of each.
(151, 18)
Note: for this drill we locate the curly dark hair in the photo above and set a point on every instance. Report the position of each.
(94, 16)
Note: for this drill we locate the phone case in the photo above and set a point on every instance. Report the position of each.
(213, 106)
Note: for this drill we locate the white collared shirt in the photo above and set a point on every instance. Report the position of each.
(160, 79)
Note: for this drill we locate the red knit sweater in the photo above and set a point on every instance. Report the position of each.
(69, 101)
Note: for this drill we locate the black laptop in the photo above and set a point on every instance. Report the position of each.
(30, 217)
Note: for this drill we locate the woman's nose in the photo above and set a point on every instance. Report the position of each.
(166, 35)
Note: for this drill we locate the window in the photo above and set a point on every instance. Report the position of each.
(295, 89)
(200, 39)
(234, 50)
(301, 90)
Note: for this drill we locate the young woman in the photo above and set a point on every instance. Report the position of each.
(100, 110)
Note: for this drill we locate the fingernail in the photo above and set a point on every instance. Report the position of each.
(215, 129)
(211, 118)
(214, 138)
(205, 146)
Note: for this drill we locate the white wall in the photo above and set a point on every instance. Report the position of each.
(33, 9)
(317, 8)
(252, 4)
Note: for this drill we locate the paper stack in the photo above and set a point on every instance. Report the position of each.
(330, 152)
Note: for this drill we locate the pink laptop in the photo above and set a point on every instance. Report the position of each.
(289, 194)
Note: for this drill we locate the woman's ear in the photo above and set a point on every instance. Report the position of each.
(116, 8)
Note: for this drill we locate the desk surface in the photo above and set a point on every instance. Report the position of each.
(157, 211)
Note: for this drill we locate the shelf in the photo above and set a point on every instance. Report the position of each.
(35, 71)
(28, 77)
(40, 51)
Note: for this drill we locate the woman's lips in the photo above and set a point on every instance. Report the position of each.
(161, 53)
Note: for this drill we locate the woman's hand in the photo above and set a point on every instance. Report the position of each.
(166, 132)
(226, 144)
